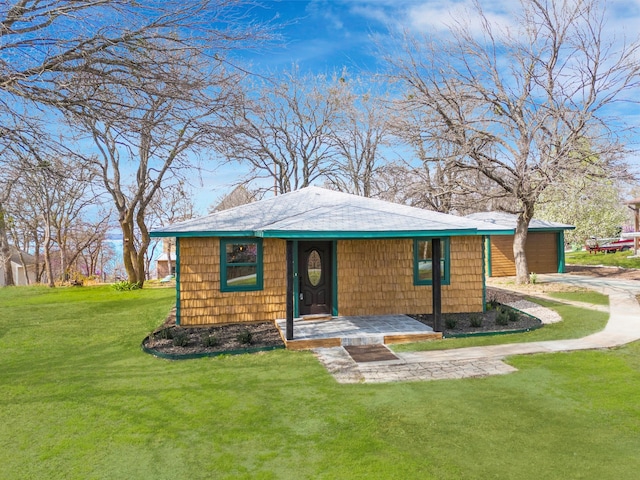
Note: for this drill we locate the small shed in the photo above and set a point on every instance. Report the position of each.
(21, 275)
(544, 247)
(320, 252)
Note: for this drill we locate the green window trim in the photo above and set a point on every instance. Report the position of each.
(226, 283)
(446, 261)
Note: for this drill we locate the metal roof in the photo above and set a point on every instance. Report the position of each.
(508, 220)
(314, 212)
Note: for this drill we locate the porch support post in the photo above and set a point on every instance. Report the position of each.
(289, 332)
(436, 283)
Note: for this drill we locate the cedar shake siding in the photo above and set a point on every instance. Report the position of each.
(202, 302)
(541, 250)
(375, 277)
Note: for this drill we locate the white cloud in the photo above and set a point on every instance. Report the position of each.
(436, 17)
(370, 12)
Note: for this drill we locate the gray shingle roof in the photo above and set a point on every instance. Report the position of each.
(508, 220)
(15, 256)
(320, 213)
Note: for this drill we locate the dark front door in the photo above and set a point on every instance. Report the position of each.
(314, 272)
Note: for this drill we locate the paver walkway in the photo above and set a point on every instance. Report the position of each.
(623, 327)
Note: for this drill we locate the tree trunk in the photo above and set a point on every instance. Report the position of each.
(5, 251)
(47, 255)
(519, 244)
(64, 273)
(133, 259)
(37, 267)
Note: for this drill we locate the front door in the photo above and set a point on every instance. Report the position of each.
(314, 269)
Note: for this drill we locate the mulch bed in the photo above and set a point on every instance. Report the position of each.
(469, 323)
(175, 340)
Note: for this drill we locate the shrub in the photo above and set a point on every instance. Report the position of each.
(245, 337)
(475, 321)
(209, 340)
(533, 278)
(502, 318)
(165, 334)
(450, 323)
(125, 286)
(492, 304)
(180, 339)
(513, 315)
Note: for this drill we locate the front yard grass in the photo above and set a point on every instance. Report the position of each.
(586, 296)
(618, 259)
(81, 400)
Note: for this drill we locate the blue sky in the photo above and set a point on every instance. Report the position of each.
(323, 36)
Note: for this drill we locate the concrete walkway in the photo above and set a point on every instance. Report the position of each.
(623, 327)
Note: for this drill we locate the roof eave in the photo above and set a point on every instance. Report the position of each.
(331, 235)
(552, 229)
(206, 233)
(354, 235)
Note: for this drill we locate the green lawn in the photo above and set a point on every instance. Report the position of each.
(618, 259)
(587, 296)
(81, 401)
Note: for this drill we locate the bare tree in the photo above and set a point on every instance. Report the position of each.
(282, 130)
(48, 201)
(44, 44)
(173, 204)
(5, 250)
(524, 107)
(142, 78)
(10, 168)
(359, 131)
(427, 176)
(154, 137)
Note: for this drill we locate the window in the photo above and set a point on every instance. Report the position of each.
(422, 261)
(240, 264)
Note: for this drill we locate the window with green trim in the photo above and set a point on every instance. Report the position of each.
(422, 272)
(240, 264)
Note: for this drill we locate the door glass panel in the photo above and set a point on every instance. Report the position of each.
(314, 268)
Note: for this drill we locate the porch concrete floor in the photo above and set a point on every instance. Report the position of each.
(364, 330)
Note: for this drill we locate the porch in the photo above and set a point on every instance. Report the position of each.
(362, 330)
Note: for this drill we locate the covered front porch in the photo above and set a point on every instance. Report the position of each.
(361, 330)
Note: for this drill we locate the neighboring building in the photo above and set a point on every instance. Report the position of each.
(544, 247)
(21, 276)
(164, 266)
(166, 262)
(350, 255)
(238, 196)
